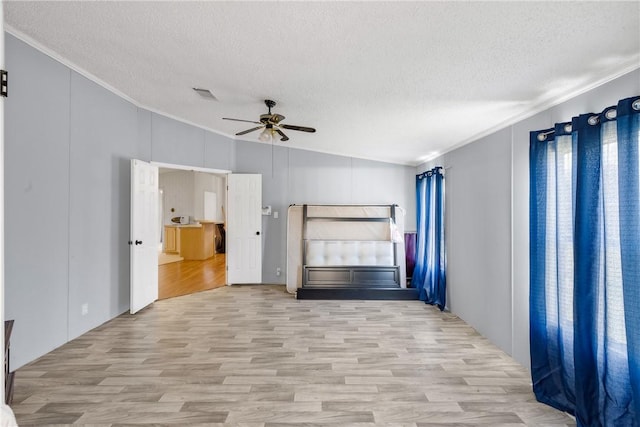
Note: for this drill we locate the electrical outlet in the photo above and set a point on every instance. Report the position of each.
(275, 215)
(278, 271)
(85, 309)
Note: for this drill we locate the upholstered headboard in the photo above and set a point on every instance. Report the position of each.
(349, 252)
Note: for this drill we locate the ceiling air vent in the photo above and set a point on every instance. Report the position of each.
(205, 93)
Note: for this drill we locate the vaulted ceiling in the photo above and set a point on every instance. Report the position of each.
(393, 81)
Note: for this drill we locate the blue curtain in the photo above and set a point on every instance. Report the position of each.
(585, 266)
(430, 262)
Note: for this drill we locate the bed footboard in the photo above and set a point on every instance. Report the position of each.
(351, 276)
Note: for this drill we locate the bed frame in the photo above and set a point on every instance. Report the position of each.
(352, 263)
(346, 252)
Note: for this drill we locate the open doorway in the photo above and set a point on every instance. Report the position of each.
(191, 251)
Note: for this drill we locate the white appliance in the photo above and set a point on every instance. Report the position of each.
(180, 220)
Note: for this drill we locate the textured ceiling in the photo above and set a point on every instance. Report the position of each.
(391, 81)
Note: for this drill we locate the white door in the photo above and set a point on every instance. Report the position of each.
(244, 228)
(144, 235)
(1, 203)
(210, 205)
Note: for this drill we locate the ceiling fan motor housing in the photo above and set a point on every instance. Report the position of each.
(271, 118)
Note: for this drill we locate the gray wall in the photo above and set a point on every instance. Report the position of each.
(487, 220)
(68, 145)
(293, 176)
(102, 139)
(36, 202)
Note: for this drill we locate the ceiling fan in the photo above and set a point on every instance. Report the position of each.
(271, 125)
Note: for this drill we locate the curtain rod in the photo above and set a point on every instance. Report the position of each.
(610, 113)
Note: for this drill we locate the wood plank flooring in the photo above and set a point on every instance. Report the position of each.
(186, 277)
(255, 356)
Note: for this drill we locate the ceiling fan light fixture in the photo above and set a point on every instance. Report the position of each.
(265, 135)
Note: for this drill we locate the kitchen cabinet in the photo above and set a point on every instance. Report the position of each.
(197, 242)
(171, 239)
(192, 241)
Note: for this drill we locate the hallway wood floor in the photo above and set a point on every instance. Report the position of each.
(255, 356)
(186, 277)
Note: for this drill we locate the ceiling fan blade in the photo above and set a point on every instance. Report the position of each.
(249, 130)
(300, 128)
(284, 137)
(240, 120)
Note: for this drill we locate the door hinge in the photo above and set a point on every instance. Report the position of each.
(4, 83)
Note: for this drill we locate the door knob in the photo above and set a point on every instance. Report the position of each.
(138, 242)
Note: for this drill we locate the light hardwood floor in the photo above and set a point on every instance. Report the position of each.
(255, 356)
(186, 277)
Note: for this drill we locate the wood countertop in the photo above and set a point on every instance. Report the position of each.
(195, 225)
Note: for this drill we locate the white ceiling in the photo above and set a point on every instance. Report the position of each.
(392, 81)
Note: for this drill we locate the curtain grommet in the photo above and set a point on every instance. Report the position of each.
(568, 128)
(611, 113)
(636, 105)
(542, 137)
(593, 120)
